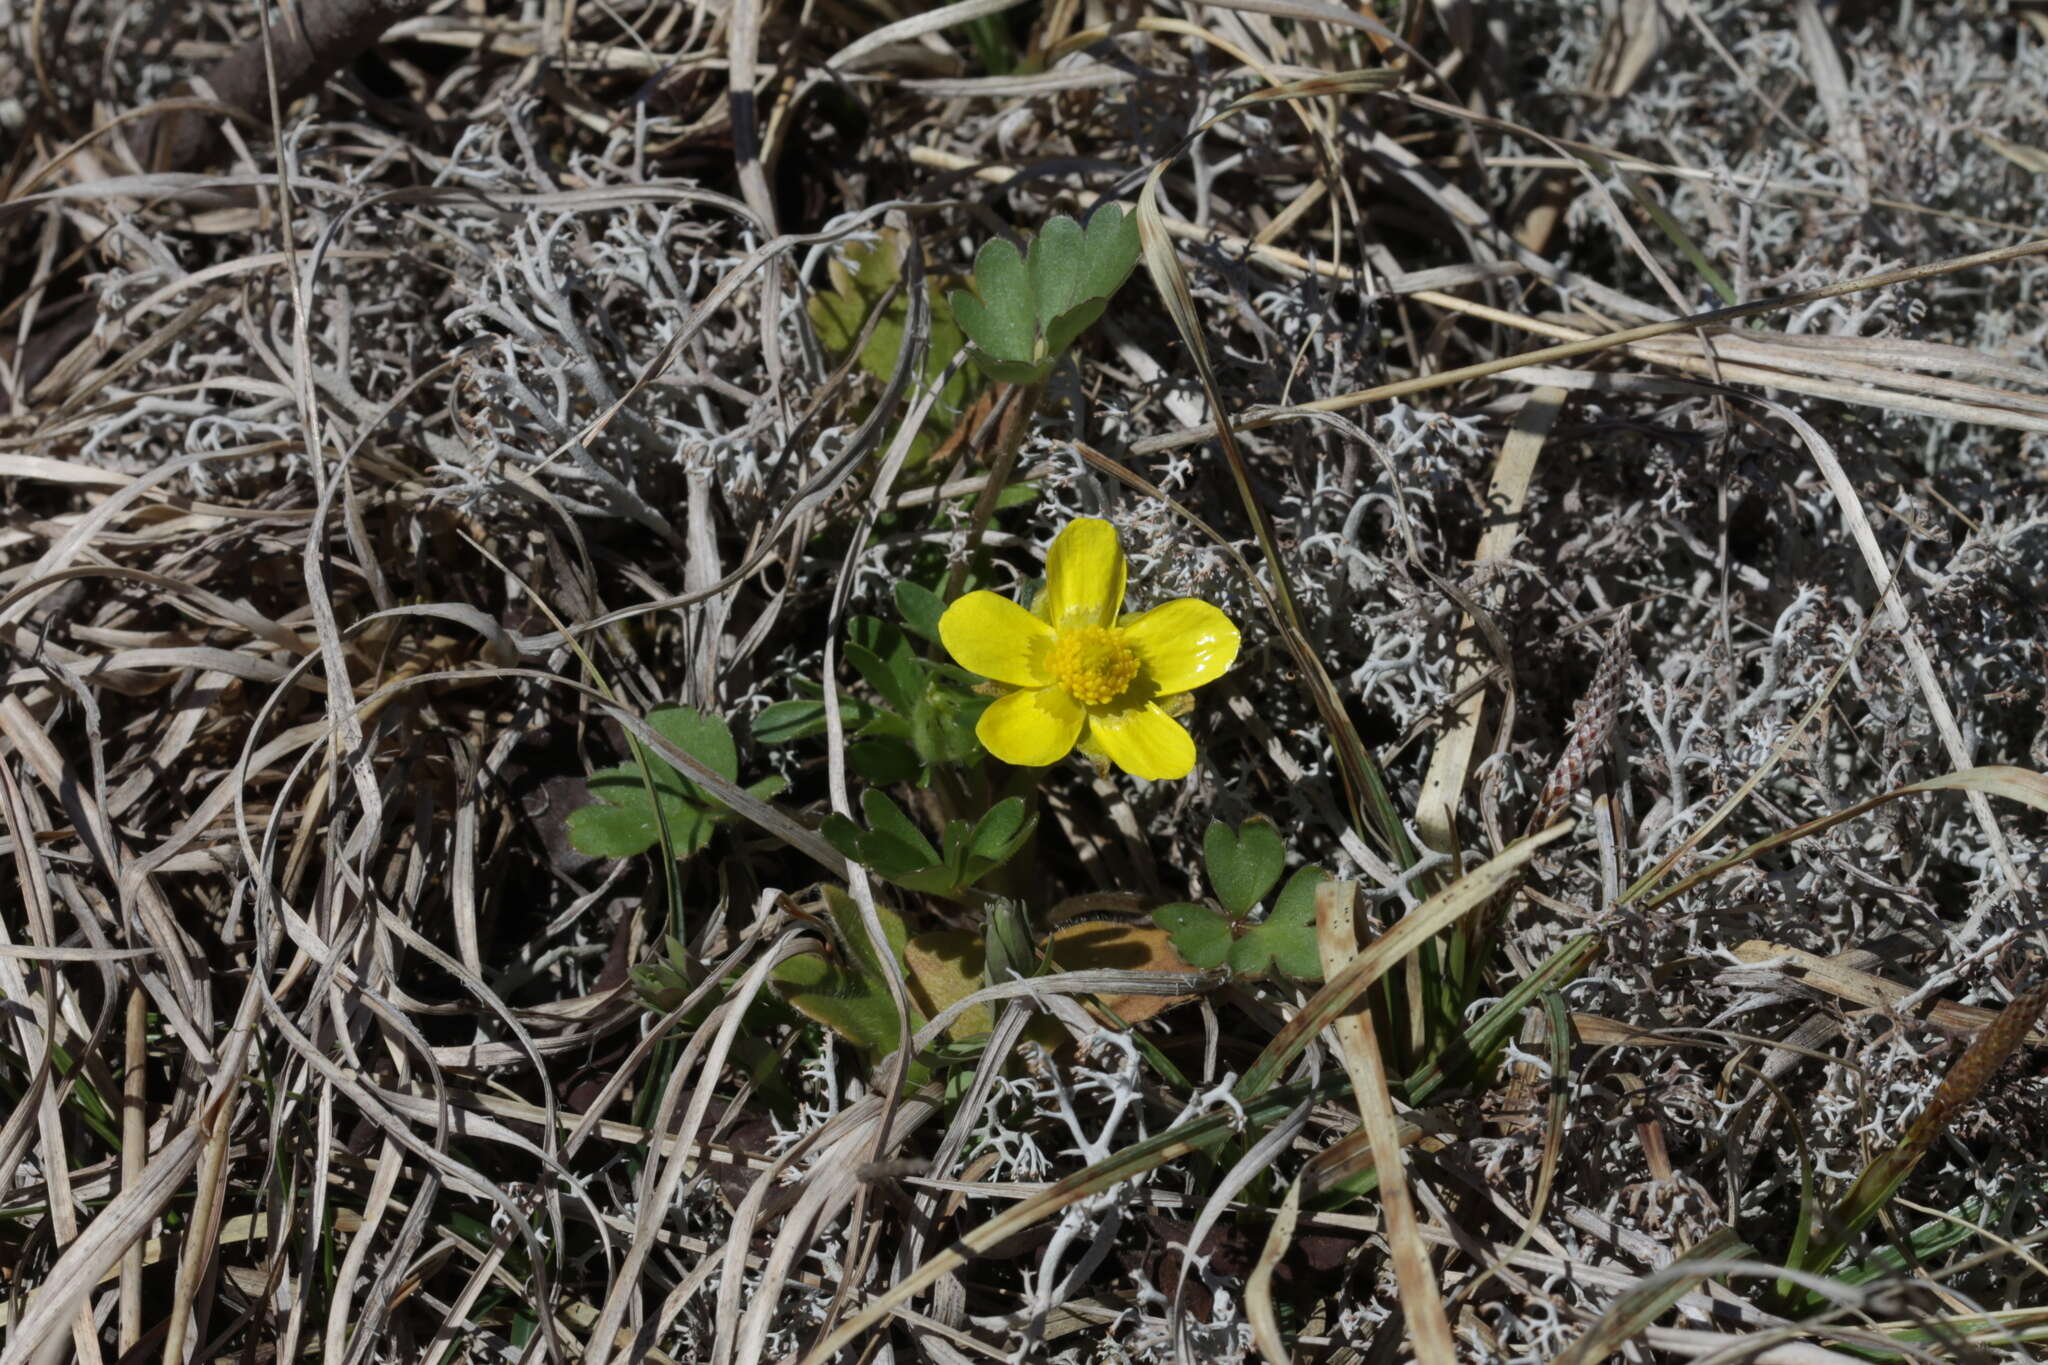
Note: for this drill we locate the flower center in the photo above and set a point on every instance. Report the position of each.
(1092, 663)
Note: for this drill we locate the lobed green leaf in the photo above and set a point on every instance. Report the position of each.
(1243, 864)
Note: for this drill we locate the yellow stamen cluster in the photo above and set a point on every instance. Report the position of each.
(1092, 664)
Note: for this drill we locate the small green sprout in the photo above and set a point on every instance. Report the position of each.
(1243, 866)
(1032, 307)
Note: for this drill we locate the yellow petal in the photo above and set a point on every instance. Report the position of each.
(1031, 728)
(996, 638)
(1084, 576)
(1145, 742)
(1183, 643)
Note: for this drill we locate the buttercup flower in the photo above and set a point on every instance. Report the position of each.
(1083, 673)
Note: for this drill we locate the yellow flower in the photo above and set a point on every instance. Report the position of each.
(1083, 673)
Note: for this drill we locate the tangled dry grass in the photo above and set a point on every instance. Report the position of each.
(1640, 416)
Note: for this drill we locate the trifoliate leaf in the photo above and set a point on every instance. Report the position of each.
(1284, 941)
(1026, 311)
(892, 847)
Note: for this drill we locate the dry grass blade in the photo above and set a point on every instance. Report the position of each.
(1865, 988)
(1372, 808)
(2014, 784)
(1191, 1135)
(1358, 1042)
(1443, 785)
(1250, 421)
(1258, 1289)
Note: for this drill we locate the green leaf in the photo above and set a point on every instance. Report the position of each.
(974, 320)
(848, 994)
(843, 835)
(920, 608)
(1243, 866)
(885, 855)
(939, 879)
(1058, 269)
(1111, 253)
(1200, 935)
(1011, 371)
(846, 991)
(622, 822)
(1061, 331)
(883, 657)
(953, 851)
(1026, 311)
(1004, 287)
(887, 818)
(894, 848)
(1016, 495)
(846, 917)
(767, 789)
(1009, 944)
(784, 722)
(626, 826)
(704, 737)
(1001, 832)
(1286, 938)
(884, 762)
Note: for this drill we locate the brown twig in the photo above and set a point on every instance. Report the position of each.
(315, 39)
